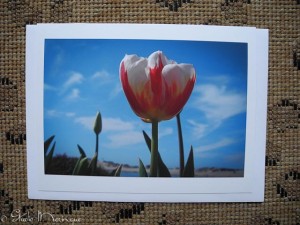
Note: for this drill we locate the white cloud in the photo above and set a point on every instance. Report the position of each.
(131, 137)
(103, 74)
(162, 132)
(218, 103)
(116, 124)
(102, 77)
(119, 132)
(53, 113)
(75, 78)
(165, 131)
(70, 114)
(214, 146)
(108, 124)
(74, 95)
(121, 139)
(59, 58)
(58, 61)
(116, 90)
(198, 129)
(220, 79)
(86, 121)
(48, 87)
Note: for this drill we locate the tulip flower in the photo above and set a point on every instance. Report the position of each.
(156, 88)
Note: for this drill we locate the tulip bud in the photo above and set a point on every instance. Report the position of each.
(98, 124)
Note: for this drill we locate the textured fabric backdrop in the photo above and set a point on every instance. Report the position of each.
(282, 189)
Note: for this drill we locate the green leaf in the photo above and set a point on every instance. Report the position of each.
(83, 166)
(93, 165)
(47, 144)
(147, 139)
(163, 170)
(142, 169)
(118, 171)
(48, 158)
(82, 155)
(76, 168)
(189, 170)
(180, 142)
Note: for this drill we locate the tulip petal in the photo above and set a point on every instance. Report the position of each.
(180, 79)
(137, 76)
(177, 76)
(130, 95)
(156, 59)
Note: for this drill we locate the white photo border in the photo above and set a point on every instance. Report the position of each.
(249, 188)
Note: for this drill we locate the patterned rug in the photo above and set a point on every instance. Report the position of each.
(282, 188)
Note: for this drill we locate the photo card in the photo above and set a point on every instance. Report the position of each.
(146, 112)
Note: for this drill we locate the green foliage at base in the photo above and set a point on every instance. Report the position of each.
(80, 166)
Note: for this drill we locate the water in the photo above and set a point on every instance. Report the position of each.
(129, 174)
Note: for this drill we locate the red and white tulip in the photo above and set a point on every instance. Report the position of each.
(156, 88)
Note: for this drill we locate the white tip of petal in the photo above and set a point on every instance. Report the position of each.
(179, 74)
(135, 67)
(130, 60)
(155, 58)
(188, 70)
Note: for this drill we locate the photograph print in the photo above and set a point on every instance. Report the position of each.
(145, 108)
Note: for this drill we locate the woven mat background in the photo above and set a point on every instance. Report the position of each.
(282, 189)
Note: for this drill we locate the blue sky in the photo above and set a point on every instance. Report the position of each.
(81, 77)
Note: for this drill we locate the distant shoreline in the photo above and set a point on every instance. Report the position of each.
(63, 165)
(200, 172)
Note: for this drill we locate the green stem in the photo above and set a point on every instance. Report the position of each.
(181, 149)
(97, 144)
(154, 150)
(94, 166)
